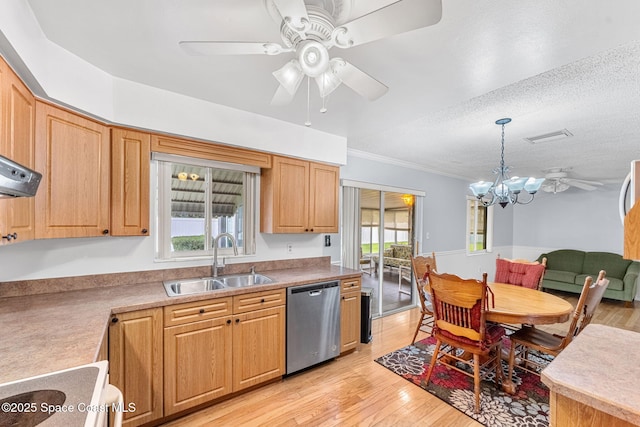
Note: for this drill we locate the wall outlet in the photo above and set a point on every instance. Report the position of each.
(289, 248)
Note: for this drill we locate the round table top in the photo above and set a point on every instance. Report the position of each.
(515, 304)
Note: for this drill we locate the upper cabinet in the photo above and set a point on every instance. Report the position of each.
(73, 155)
(298, 196)
(130, 156)
(17, 120)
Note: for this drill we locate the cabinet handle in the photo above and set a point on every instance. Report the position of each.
(10, 236)
(312, 229)
(105, 232)
(306, 229)
(145, 231)
(237, 321)
(229, 322)
(201, 310)
(262, 301)
(114, 320)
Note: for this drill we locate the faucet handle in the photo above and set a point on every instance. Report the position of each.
(253, 269)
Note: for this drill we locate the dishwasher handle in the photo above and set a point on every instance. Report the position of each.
(315, 293)
(311, 288)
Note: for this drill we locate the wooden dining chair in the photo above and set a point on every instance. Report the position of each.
(459, 307)
(529, 337)
(419, 265)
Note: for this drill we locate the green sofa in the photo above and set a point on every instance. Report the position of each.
(568, 268)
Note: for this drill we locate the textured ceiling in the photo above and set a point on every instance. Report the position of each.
(549, 65)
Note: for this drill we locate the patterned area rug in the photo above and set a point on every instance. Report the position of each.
(528, 407)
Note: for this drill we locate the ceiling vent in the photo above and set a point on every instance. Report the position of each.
(548, 137)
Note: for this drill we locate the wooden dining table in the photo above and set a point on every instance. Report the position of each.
(518, 305)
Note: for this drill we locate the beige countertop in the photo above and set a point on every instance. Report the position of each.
(600, 369)
(42, 333)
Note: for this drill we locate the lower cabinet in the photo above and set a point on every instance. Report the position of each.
(216, 347)
(349, 314)
(135, 363)
(197, 363)
(258, 347)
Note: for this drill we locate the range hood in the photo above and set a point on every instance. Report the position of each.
(17, 180)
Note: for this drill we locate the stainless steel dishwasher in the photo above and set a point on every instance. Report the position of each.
(313, 324)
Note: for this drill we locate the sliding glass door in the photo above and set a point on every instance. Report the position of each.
(386, 237)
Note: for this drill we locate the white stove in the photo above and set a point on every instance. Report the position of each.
(80, 396)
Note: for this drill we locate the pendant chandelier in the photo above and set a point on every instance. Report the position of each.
(504, 190)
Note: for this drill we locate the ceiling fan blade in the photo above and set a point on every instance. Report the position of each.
(282, 97)
(396, 18)
(294, 12)
(585, 181)
(231, 48)
(581, 185)
(356, 79)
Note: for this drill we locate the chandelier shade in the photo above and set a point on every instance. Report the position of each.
(505, 190)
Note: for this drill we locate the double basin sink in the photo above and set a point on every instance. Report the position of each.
(208, 284)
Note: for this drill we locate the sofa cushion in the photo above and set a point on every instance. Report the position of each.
(613, 264)
(614, 283)
(517, 273)
(401, 251)
(561, 276)
(565, 260)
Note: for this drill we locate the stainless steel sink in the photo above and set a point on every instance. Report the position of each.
(241, 280)
(192, 286)
(209, 284)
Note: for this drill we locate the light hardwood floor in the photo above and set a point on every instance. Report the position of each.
(355, 391)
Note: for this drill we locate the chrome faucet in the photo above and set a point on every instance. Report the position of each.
(214, 267)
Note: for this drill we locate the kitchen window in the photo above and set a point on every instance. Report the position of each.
(199, 199)
(479, 226)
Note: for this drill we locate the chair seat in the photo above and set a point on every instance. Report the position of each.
(537, 338)
(493, 334)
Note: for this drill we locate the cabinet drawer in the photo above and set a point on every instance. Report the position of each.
(180, 314)
(258, 300)
(349, 285)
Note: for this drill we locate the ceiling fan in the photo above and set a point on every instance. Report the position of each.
(557, 181)
(309, 31)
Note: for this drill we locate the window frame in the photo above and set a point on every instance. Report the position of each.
(163, 163)
(488, 234)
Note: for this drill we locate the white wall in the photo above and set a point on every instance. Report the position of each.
(574, 219)
(70, 80)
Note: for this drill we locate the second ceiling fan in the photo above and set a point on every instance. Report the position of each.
(309, 31)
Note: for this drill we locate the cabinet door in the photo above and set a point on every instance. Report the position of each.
(323, 198)
(135, 363)
(73, 156)
(288, 182)
(130, 157)
(197, 363)
(258, 347)
(350, 314)
(17, 120)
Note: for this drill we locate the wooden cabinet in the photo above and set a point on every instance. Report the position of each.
(73, 155)
(219, 346)
(258, 346)
(349, 314)
(197, 355)
(299, 197)
(135, 363)
(130, 157)
(17, 121)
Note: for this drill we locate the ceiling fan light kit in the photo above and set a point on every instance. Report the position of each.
(310, 32)
(505, 190)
